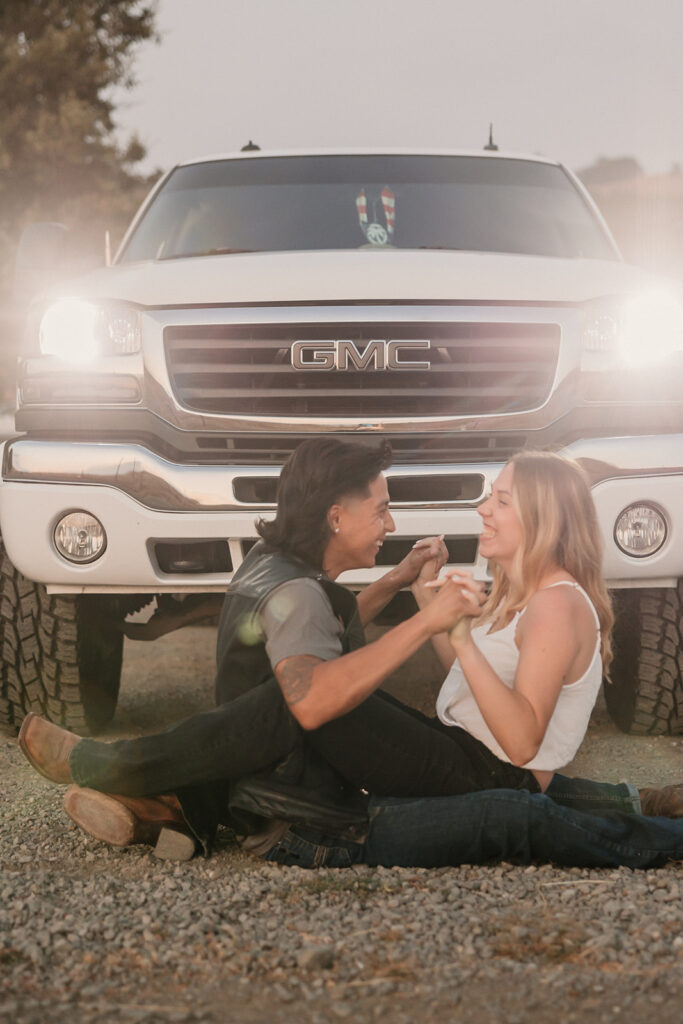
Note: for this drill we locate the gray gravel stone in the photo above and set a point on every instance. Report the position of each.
(90, 934)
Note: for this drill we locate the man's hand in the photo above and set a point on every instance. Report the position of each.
(427, 556)
(459, 598)
(425, 560)
(429, 572)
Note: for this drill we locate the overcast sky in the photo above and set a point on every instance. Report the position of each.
(573, 79)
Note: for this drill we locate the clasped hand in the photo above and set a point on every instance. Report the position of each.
(427, 556)
(458, 601)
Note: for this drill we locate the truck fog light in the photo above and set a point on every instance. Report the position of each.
(640, 530)
(80, 537)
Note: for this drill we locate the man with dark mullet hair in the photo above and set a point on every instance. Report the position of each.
(310, 485)
(300, 736)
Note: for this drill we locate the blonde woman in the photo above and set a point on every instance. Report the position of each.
(525, 666)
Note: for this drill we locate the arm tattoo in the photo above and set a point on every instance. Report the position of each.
(295, 676)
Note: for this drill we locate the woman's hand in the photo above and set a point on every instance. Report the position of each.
(434, 552)
(471, 597)
(461, 633)
(423, 561)
(427, 555)
(459, 596)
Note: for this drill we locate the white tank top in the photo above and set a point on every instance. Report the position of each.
(456, 705)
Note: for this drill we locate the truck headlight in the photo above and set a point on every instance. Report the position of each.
(651, 326)
(78, 332)
(643, 329)
(79, 537)
(640, 530)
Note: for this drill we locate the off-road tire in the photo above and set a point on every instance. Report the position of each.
(55, 660)
(645, 694)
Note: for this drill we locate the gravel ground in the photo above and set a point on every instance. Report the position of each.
(88, 933)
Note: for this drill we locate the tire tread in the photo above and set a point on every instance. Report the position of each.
(53, 661)
(645, 694)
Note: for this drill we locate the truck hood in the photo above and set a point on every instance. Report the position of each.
(359, 276)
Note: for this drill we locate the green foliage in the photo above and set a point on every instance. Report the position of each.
(60, 61)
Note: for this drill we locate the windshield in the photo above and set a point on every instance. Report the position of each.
(348, 202)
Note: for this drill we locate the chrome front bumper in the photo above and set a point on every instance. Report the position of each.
(141, 499)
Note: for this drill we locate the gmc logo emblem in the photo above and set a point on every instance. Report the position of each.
(344, 355)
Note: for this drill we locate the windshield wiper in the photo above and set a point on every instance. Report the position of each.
(205, 252)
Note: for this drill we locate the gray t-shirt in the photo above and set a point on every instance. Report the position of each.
(297, 618)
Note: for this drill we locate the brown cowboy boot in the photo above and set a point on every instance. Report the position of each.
(47, 747)
(125, 820)
(666, 802)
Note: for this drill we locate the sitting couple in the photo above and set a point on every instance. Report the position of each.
(311, 765)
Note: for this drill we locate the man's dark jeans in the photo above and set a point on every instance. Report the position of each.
(477, 828)
(382, 746)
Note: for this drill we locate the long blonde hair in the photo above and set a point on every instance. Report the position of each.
(559, 527)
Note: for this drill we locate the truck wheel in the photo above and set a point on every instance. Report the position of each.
(55, 660)
(645, 694)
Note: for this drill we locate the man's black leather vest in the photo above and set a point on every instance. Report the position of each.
(242, 664)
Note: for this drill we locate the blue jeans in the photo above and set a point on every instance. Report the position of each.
(594, 797)
(478, 828)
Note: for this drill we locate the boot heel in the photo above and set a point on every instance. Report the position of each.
(173, 844)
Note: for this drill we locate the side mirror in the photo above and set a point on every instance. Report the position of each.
(42, 259)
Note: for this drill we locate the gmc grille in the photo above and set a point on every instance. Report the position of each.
(476, 369)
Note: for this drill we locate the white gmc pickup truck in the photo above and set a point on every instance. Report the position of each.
(464, 305)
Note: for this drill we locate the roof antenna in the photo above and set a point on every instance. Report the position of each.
(251, 146)
(491, 144)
